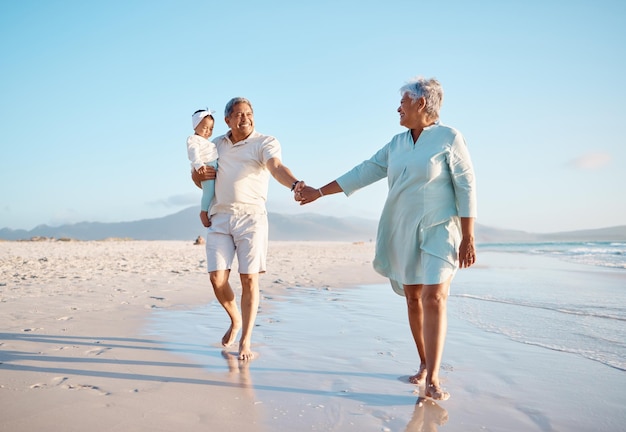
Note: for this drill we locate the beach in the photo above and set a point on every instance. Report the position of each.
(124, 336)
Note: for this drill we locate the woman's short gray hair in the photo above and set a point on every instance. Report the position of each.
(429, 89)
(234, 101)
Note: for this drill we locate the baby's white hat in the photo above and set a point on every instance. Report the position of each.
(197, 117)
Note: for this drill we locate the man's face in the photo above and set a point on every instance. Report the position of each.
(241, 121)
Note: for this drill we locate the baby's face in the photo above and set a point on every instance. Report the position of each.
(205, 127)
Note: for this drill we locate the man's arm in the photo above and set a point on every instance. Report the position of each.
(281, 173)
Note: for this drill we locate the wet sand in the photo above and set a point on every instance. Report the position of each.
(123, 336)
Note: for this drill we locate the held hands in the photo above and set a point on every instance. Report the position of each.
(308, 195)
(305, 194)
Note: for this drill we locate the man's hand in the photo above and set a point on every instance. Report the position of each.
(297, 189)
(198, 178)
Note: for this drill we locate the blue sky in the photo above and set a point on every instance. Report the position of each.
(96, 99)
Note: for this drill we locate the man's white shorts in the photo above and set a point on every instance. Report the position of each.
(244, 235)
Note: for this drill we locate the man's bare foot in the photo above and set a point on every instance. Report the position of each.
(230, 335)
(420, 376)
(436, 393)
(204, 217)
(244, 351)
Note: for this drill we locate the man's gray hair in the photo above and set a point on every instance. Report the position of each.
(234, 101)
(429, 89)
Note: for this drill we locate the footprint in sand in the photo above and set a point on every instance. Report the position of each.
(53, 383)
(95, 389)
(97, 351)
(65, 347)
(58, 380)
(447, 367)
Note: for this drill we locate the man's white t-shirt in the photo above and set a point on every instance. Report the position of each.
(242, 178)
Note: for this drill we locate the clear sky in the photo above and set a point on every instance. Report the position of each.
(96, 100)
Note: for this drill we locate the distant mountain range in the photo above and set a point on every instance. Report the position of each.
(185, 225)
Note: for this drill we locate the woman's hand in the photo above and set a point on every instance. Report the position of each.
(307, 195)
(467, 252)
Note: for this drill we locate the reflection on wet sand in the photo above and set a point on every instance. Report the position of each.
(239, 371)
(427, 416)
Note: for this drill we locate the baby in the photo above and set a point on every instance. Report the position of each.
(203, 153)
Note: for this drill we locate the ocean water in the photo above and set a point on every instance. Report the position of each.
(602, 254)
(557, 304)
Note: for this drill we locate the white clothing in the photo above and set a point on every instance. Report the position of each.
(246, 236)
(242, 178)
(200, 151)
(196, 118)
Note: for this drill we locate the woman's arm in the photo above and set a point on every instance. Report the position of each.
(364, 174)
(309, 194)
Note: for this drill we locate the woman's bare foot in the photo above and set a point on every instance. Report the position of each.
(420, 376)
(244, 351)
(436, 393)
(230, 335)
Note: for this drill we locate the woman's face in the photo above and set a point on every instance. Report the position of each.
(410, 112)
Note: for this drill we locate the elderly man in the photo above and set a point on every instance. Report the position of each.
(238, 216)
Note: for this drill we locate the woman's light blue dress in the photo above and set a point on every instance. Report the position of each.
(431, 185)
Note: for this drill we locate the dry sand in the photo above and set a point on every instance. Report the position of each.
(122, 336)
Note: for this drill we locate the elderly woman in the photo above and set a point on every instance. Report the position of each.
(426, 230)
